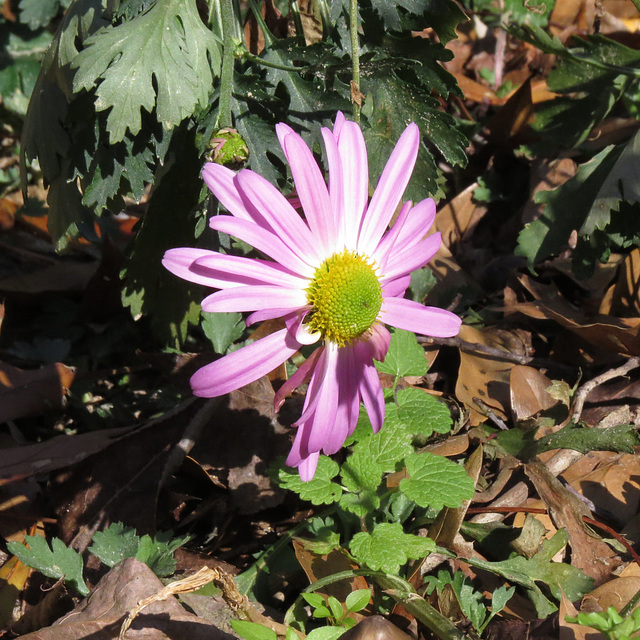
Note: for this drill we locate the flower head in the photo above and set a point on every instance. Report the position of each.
(336, 277)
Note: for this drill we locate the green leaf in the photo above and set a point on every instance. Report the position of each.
(435, 481)
(336, 607)
(252, 630)
(391, 104)
(622, 437)
(500, 597)
(320, 490)
(149, 289)
(316, 600)
(175, 57)
(567, 208)
(115, 543)
(388, 547)
(405, 356)
(558, 576)
(423, 414)
(313, 100)
(223, 329)
(37, 13)
(358, 600)
(56, 562)
(378, 454)
(326, 633)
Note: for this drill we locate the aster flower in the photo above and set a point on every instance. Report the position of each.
(335, 277)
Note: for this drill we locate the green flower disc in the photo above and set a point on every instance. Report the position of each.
(346, 298)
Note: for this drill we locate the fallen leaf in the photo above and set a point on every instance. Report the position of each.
(528, 391)
(28, 393)
(101, 614)
(375, 628)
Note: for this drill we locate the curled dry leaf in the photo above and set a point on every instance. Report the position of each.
(102, 613)
(528, 390)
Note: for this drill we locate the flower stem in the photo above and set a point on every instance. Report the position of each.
(355, 59)
(226, 74)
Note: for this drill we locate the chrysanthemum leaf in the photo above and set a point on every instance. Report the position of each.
(57, 561)
(405, 357)
(389, 547)
(38, 13)
(174, 56)
(223, 329)
(435, 481)
(422, 413)
(320, 490)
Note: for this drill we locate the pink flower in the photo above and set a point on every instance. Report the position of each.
(338, 275)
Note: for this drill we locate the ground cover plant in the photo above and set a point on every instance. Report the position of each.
(319, 319)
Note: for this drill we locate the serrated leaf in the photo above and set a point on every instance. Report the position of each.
(389, 547)
(37, 13)
(169, 302)
(313, 101)
(56, 562)
(175, 57)
(253, 630)
(319, 490)
(619, 438)
(394, 103)
(360, 504)
(223, 329)
(435, 481)
(405, 356)
(567, 208)
(115, 543)
(377, 454)
(422, 413)
(558, 576)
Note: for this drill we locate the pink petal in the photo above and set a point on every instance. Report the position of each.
(348, 402)
(356, 180)
(266, 314)
(281, 217)
(427, 321)
(336, 182)
(180, 263)
(246, 365)
(225, 271)
(307, 468)
(312, 191)
(264, 241)
(302, 375)
(417, 225)
(392, 184)
(338, 123)
(411, 258)
(251, 298)
(320, 412)
(372, 396)
(386, 249)
(220, 181)
(396, 288)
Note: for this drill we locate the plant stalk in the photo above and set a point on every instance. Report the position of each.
(226, 74)
(355, 59)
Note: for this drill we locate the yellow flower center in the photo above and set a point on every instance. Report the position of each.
(346, 297)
